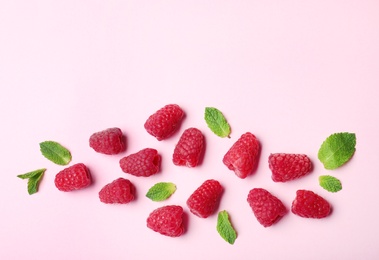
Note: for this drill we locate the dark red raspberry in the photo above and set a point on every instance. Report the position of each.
(118, 191)
(109, 141)
(143, 163)
(267, 208)
(72, 178)
(286, 167)
(242, 157)
(167, 220)
(163, 123)
(205, 199)
(308, 204)
(190, 148)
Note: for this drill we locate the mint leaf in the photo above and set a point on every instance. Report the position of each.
(217, 122)
(55, 152)
(337, 149)
(330, 183)
(225, 228)
(34, 179)
(161, 191)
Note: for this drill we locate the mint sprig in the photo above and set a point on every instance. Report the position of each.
(330, 183)
(34, 178)
(337, 149)
(55, 152)
(225, 228)
(217, 122)
(161, 191)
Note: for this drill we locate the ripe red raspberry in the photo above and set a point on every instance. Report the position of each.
(286, 167)
(109, 141)
(163, 123)
(267, 208)
(143, 163)
(308, 204)
(167, 220)
(72, 178)
(190, 148)
(118, 191)
(242, 157)
(205, 199)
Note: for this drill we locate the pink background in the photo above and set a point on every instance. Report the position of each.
(291, 72)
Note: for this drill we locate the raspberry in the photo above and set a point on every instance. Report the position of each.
(286, 167)
(205, 199)
(143, 163)
(109, 141)
(72, 178)
(167, 220)
(189, 149)
(242, 157)
(267, 208)
(308, 204)
(163, 123)
(119, 191)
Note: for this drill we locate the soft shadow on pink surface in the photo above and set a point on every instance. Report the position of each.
(186, 222)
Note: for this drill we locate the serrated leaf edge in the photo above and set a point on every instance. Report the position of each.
(327, 140)
(52, 155)
(323, 180)
(209, 118)
(167, 192)
(34, 178)
(223, 217)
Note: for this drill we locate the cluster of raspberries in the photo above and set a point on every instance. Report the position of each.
(241, 158)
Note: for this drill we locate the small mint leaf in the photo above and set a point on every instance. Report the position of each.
(330, 183)
(55, 152)
(161, 191)
(34, 178)
(217, 122)
(225, 228)
(337, 149)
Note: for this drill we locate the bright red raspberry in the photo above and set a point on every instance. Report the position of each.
(242, 157)
(308, 204)
(143, 163)
(72, 178)
(120, 191)
(286, 167)
(267, 208)
(190, 148)
(109, 141)
(167, 220)
(205, 199)
(163, 123)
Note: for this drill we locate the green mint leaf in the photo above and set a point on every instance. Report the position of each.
(337, 149)
(55, 152)
(161, 191)
(34, 179)
(31, 174)
(330, 183)
(217, 122)
(225, 228)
